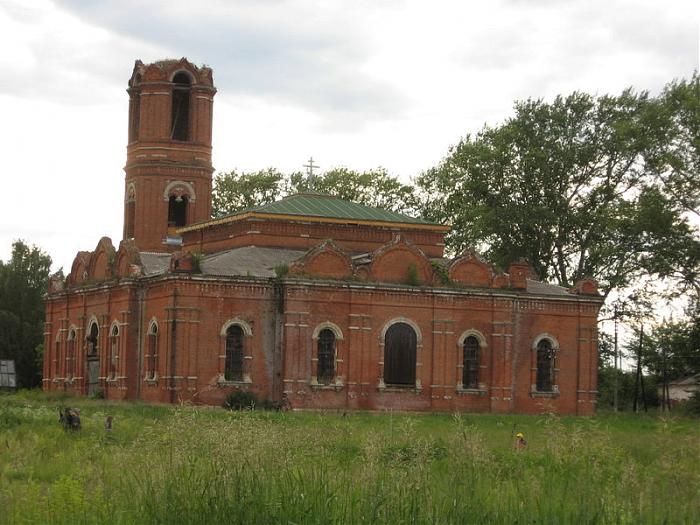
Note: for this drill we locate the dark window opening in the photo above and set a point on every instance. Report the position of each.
(325, 372)
(135, 117)
(135, 110)
(545, 366)
(177, 211)
(400, 355)
(234, 354)
(180, 123)
(152, 358)
(92, 339)
(130, 218)
(470, 372)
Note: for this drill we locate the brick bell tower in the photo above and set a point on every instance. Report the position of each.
(168, 161)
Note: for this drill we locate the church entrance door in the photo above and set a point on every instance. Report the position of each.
(93, 366)
(93, 361)
(400, 355)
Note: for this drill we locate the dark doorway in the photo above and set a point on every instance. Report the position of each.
(93, 360)
(400, 355)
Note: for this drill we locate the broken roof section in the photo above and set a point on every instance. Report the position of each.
(316, 206)
(258, 261)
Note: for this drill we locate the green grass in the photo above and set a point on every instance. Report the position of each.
(165, 464)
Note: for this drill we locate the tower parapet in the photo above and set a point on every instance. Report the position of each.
(168, 165)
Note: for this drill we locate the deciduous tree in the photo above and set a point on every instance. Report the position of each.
(565, 184)
(23, 283)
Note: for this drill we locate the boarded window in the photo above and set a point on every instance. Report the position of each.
(400, 355)
(180, 123)
(177, 211)
(545, 366)
(325, 373)
(92, 340)
(233, 370)
(152, 356)
(57, 357)
(130, 218)
(470, 372)
(113, 351)
(70, 355)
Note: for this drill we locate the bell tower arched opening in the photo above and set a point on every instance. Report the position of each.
(180, 120)
(177, 211)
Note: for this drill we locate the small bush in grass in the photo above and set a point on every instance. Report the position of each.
(8, 419)
(240, 400)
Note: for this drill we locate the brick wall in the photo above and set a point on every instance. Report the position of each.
(281, 351)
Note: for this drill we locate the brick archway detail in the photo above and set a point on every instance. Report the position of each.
(330, 326)
(189, 190)
(409, 322)
(237, 321)
(469, 333)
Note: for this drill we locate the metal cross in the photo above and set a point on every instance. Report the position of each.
(310, 172)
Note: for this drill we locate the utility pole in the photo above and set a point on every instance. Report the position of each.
(664, 406)
(639, 380)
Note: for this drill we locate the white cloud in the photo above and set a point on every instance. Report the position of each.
(360, 84)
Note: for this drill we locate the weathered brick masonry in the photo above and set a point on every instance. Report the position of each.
(311, 300)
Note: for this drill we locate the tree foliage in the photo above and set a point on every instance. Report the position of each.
(678, 163)
(23, 283)
(674, 348)
(568, 185)
(234, 192)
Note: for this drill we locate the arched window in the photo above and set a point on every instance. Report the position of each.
(545, 366)
(130, 218)
(57, 357)
(177, 211)
(400, 355)
(325, 371)
(233, 368)
(92, 339)
(470, 371)
(152, 355)
(70, 354)
(113, 351)
(180, 123)
(135, 109)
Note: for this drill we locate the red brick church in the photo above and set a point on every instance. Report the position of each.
(310, 300)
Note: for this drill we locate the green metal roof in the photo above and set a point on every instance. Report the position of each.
(318, 205)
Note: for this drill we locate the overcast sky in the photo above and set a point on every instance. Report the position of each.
(360, 84)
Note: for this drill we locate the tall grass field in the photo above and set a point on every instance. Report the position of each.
(168, 464)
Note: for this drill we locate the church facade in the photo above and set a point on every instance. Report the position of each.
(309, 301)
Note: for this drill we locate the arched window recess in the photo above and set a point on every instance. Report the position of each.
(180, 117)
(237, 355)
(400, 355)
(544, 358)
